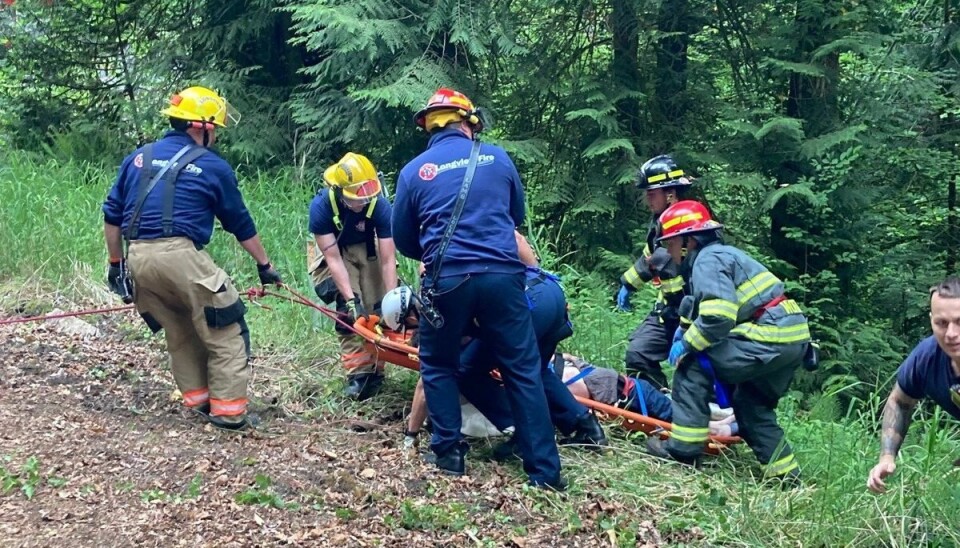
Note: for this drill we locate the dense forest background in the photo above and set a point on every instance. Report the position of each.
(823, 133)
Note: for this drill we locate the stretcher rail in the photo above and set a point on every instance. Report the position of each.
(391, 347)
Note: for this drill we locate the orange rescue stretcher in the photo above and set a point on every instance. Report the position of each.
(391, 346)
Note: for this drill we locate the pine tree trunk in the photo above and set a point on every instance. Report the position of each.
(812, 99)
(677, 22)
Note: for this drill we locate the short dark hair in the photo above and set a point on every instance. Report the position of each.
(179, 125)
(947, 289)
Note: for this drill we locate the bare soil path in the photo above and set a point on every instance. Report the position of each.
(95, 450)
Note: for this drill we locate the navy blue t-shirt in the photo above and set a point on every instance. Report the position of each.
(354, 222)
(205, 188)
(427, 190)
(927, 372)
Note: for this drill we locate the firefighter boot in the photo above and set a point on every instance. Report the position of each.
(507, 450)
(453, 462)
(658, 448)
(588, 433)
(363, 386)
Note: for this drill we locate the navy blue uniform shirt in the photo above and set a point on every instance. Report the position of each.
(427, 190)
(927, 372)
(206, 187)
(354, 223)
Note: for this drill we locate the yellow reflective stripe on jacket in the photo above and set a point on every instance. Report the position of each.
(790, 306)
(632, 277)
(671, 285)
(687, 434)
(695, 339)
(773, 333)
(719, 307)
(781, 467)
(754, 286)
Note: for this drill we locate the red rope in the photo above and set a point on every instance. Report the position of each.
(256, 292)
(252, 294)
(65, 315)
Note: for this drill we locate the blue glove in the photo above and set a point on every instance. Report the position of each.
(623, 299)
(677, 351)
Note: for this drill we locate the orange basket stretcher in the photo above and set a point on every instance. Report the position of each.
(390, 346)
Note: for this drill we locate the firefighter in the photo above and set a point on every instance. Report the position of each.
(664, 184)
(456, 209)
(551, 324)
(357, 261)
(752, 336)
(163, 204)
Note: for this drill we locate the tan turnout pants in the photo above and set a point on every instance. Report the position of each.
(366, 281)
(182, 290)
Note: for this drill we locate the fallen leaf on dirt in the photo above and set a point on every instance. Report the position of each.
(519, 542)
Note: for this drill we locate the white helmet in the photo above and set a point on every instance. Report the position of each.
(396, 305)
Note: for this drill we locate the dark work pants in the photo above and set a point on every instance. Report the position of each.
(760, 374)
(500, 308)
(549, 315)
(649, 345)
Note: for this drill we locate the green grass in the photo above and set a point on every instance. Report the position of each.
(51, 233)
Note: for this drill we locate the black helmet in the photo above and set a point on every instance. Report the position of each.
(661, 172)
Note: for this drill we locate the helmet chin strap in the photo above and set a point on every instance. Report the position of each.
(206, 133)
(686, 265)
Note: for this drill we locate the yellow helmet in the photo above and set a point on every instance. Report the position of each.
(200, 104)
(355, 176)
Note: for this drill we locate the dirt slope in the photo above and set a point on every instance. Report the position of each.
(96, 451)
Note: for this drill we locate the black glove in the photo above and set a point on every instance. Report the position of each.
(355, 309)
(658, 261)
(268, 276)
(119, 281)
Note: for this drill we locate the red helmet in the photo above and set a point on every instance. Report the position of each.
(455, 107)
(684, 218)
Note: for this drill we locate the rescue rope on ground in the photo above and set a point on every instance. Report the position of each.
(10, 321)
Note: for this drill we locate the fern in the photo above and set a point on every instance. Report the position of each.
(807, 69)
(812, 148)
(791, 128)
(603, 146)
(803, 191)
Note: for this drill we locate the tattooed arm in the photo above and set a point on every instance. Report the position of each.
(897, 414)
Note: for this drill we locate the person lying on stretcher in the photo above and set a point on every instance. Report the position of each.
(637, 395)
(583, 380)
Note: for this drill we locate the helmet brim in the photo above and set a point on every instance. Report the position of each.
(690, 232)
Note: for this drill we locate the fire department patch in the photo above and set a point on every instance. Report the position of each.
(361, 226)
(138, 161)
(428, 171)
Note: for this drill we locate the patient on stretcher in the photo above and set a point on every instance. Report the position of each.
(583, 380)
(637, 395)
